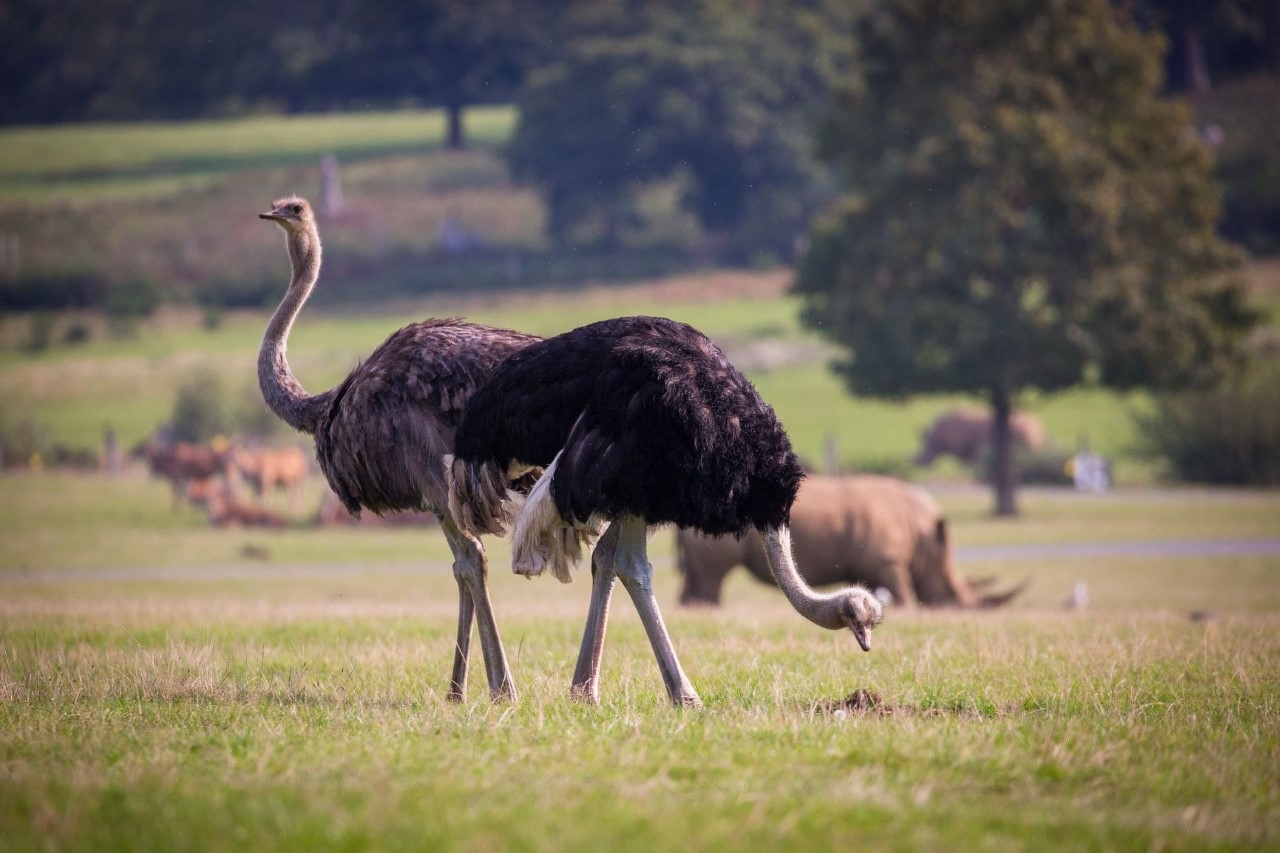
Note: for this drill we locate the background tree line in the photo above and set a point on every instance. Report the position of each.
(719, 100)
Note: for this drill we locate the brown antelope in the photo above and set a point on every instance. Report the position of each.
(270, 468)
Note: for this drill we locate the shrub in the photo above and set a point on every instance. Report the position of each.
(1044, 467)
(77, 332)
(132, 300)
(1228, 435)
(22, 442)
(200, 410)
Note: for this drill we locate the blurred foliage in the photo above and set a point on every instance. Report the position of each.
(1243, 121)
(67, 60)
(200, 409)
(1046, 466)
(23, 441)
(1228, 435)
(1023, 210)
(719, 98)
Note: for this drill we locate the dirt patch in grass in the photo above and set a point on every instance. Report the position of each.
(868, 703)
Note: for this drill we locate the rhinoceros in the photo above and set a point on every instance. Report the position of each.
(966, 432)
(872, 530)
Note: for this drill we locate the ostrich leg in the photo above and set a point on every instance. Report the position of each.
(461, 649)
(471, 571)
(586, 677)
(636, 573)
(466, 615)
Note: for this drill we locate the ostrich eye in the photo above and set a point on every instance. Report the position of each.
(297, 208)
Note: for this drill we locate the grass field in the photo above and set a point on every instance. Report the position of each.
(161, 690)
(73, 392)
(78, 163)
(168, 686)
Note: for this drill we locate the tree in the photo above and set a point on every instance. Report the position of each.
(720, 96)
(1022, 210)
(446, 53)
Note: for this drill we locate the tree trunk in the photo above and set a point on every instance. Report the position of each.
(454, 140)
(1002, 473)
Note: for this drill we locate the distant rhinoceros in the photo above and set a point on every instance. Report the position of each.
(966, 432)
(876, 531)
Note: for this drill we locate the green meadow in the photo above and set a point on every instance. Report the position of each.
(165, 685)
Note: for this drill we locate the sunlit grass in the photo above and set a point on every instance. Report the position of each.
(50, 164)
(135, 719)
(162, 687)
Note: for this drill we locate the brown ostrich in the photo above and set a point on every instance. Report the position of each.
(382, 434)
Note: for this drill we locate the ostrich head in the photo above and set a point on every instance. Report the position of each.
(861, 611)
(293, 214)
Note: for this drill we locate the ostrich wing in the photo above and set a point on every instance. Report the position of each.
(392, 421)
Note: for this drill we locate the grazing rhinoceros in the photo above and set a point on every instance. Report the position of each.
(876, 531)
(965, 433)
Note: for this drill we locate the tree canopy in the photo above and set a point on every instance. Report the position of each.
(1022, 209)
(719, 97)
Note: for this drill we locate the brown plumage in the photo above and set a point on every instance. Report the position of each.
(382, 434)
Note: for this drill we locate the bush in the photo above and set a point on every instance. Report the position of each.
(1227, 436)
(1044, 467)
(200, 410)
(22, 442)
(132, 300)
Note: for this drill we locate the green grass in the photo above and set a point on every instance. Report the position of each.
(160, 689)
(101, 161)
(130, 383)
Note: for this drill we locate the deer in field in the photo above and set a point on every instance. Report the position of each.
(270, 468)
(225, 510)
(181, 463)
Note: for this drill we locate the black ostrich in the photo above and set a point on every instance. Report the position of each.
(639, 421)
(383, 434)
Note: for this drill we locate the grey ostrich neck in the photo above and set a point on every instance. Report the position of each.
(820, 609)
(283, 393)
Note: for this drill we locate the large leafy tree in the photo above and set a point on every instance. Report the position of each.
(721, 96)
(1023, 210)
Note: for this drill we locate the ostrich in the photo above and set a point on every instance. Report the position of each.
(638, 421)
(382, 434)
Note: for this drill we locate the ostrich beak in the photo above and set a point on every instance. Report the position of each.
(862, 635)
(272, 216)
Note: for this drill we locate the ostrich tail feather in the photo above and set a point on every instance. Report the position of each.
(478, 498)
(542, 540)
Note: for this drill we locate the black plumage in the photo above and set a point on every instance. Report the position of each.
(653, 421)
(641, 421)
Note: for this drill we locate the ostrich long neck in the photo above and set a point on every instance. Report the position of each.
(284, 394)
(817, 608)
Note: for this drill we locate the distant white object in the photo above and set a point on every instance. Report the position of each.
(885, 596)
(1079, 597)
(1090, 472)
(331, 202)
